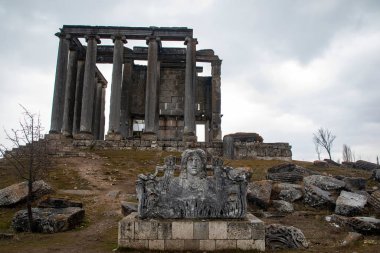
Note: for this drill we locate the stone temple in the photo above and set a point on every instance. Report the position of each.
(167, 94)
(159, 105)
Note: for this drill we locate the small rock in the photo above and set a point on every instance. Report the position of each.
(352, 237)
(284, 237)
(113, 194)
(259, 193)
(349, 203)
(283, 206)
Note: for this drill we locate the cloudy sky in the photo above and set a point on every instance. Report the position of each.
(289, 66)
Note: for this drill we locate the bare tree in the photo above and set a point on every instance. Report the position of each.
(28, 156)
(316, 145)
(348, 155)
(324, 138)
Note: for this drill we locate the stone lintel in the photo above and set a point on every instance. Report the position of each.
(138, 33)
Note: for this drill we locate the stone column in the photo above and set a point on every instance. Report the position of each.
(59, 85)
(88, 88)
(102, 115)
(78, 96)
(151, 96)
(216, 121)
(97, 109)
(190, 86)
(68, 112)
(117, 72)
(125, 116)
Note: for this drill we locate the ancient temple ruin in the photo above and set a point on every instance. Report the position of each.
(158, 105)
(166, 97)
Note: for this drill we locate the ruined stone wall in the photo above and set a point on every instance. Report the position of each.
(255, 150)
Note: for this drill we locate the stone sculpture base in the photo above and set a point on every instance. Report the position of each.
(202, 235)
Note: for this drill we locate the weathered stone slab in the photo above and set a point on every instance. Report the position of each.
(353, 183)
(182, 230)
(49, 220)
(324, 182)
(217, 230)
(364, 165)
(288, 192)
(374, 200)
(316, 197)
(364, 225)
(288, 172)
(207, 245)
(283, 206)
(349, 203)
(259, 193)
(58, 203)
(281, 237)
(18, 193)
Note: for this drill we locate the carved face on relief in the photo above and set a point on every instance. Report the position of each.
(194, 164)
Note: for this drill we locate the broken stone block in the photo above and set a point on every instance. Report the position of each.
(364, 225)
(332, 162)
(18, 193)
(349, 203)
(364, 165)
(316, 197)
(288, 172)
(322, 164)
(284, 237)
(283, 206)
(259, 192)
(49, 220)
(128, 208)
(58, 203)
(324, 182)
(374, 200)
(376, 175)
(290, 195)
(353, 183)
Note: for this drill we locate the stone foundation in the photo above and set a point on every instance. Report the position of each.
(192, 235)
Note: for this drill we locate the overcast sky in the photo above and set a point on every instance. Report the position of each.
(289, 67)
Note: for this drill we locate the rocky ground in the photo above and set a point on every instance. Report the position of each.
(104, 178)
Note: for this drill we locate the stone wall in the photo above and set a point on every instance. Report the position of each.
(245, 148)
(191, 235)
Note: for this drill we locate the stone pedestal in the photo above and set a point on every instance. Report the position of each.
(191, 235)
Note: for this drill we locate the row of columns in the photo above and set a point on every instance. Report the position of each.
(79, 95)
(79, 91)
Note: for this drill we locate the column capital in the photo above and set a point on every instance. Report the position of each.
(119, 37)
(152, 38)
(189, 39)
(93, 36)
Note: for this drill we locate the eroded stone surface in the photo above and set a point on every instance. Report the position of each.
(349, 203)
(364, 225)
(193, 194)
(49, 220)
(316, 197)
(283, 206)
(288, 172)
(324, 182)
(259, 193)
(18, 193)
